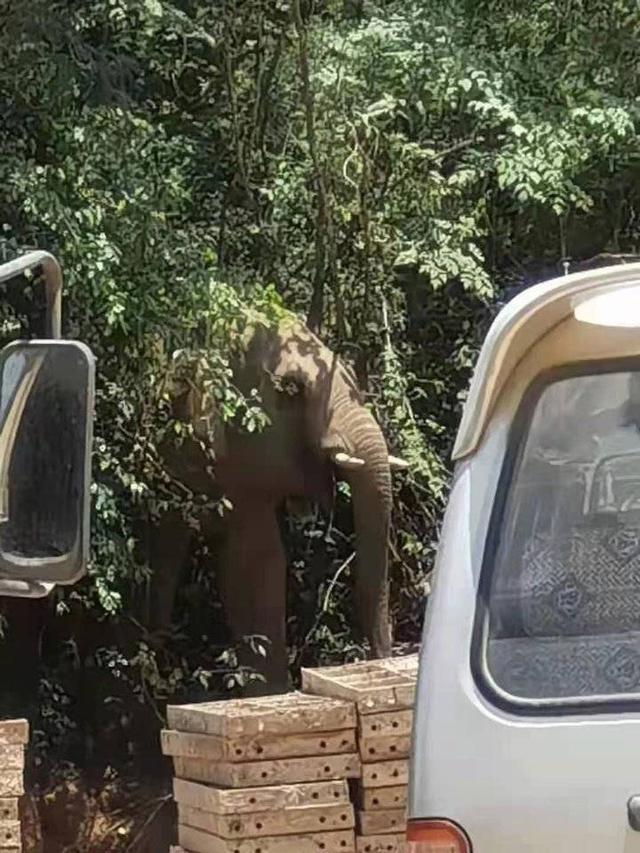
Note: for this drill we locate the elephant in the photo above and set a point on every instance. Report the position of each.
(319, 431)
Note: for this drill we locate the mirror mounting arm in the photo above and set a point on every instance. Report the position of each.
(52, 275)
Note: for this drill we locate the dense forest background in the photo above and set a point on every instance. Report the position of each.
(392, 171)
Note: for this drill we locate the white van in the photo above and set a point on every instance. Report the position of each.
(527, 721)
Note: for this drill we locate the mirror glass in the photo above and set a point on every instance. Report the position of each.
(46, 406)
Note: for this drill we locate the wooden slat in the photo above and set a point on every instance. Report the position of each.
(255, 773)
(394, 797)
(291, 713)
(11, 783)
(384, 844)
(294, 821)
(224, 801)
(9, 834)
(383, 821)
(212, 747)
(381, 725)
(197, 841)
(14, 732)
(9, 808)
(385, 773)
(385, 748)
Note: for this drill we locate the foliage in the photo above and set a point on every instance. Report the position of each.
(387, 169)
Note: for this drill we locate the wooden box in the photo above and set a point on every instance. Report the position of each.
(277, 772)
(393, 797)
(374, 686)
(231, 801)
(263, 812)
(198, 841)
(385, 774)
(382, 821)
(287, 714)
(257, 747)
(11, 783)
(9, 835)
(14, 732)
(299, 820)
(382, 843)
(9, 809)
(394, 723)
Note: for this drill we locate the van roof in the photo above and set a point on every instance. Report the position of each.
(517, 327)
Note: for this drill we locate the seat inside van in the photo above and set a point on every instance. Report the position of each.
(564, 601)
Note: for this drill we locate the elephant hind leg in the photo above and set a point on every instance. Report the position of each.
(252, 583)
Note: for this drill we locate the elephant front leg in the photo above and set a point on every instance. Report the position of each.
(252, 586)
(167, 553)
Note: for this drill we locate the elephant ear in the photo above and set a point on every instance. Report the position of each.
(191, 406)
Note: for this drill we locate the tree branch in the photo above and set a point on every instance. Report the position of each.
(323, 219)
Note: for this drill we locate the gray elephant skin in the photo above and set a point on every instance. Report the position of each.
(319, 431)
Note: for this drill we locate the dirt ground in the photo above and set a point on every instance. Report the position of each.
(119, 817)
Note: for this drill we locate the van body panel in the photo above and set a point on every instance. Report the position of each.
(514, 780)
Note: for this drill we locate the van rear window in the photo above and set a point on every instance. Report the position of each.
(561, 601)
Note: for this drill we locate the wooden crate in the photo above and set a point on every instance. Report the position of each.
(394, 797)
(249, 800)
(291, 821)
(11, 783)
(14, 732)
(384, 725)
(9, 808)
(278, 772)
(9, 834)
(258, 748)
(197, 841)
(404, 664)
(287, 714)
(382, 821)
(384, 774)
(384, 748)
(12, 757)
(374, 686)
(382, 843)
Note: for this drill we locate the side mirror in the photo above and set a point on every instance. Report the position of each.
(46, 416)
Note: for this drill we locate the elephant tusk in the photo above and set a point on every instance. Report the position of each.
(397, 463)
(345, 461)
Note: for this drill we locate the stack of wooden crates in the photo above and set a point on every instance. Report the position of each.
(384, 693)
(264, 775)
(14, 734)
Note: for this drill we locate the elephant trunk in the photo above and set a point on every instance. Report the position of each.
(372, 498)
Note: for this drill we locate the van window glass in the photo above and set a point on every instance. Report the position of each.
(564, 596)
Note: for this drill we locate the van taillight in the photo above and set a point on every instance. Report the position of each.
(436, 836)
